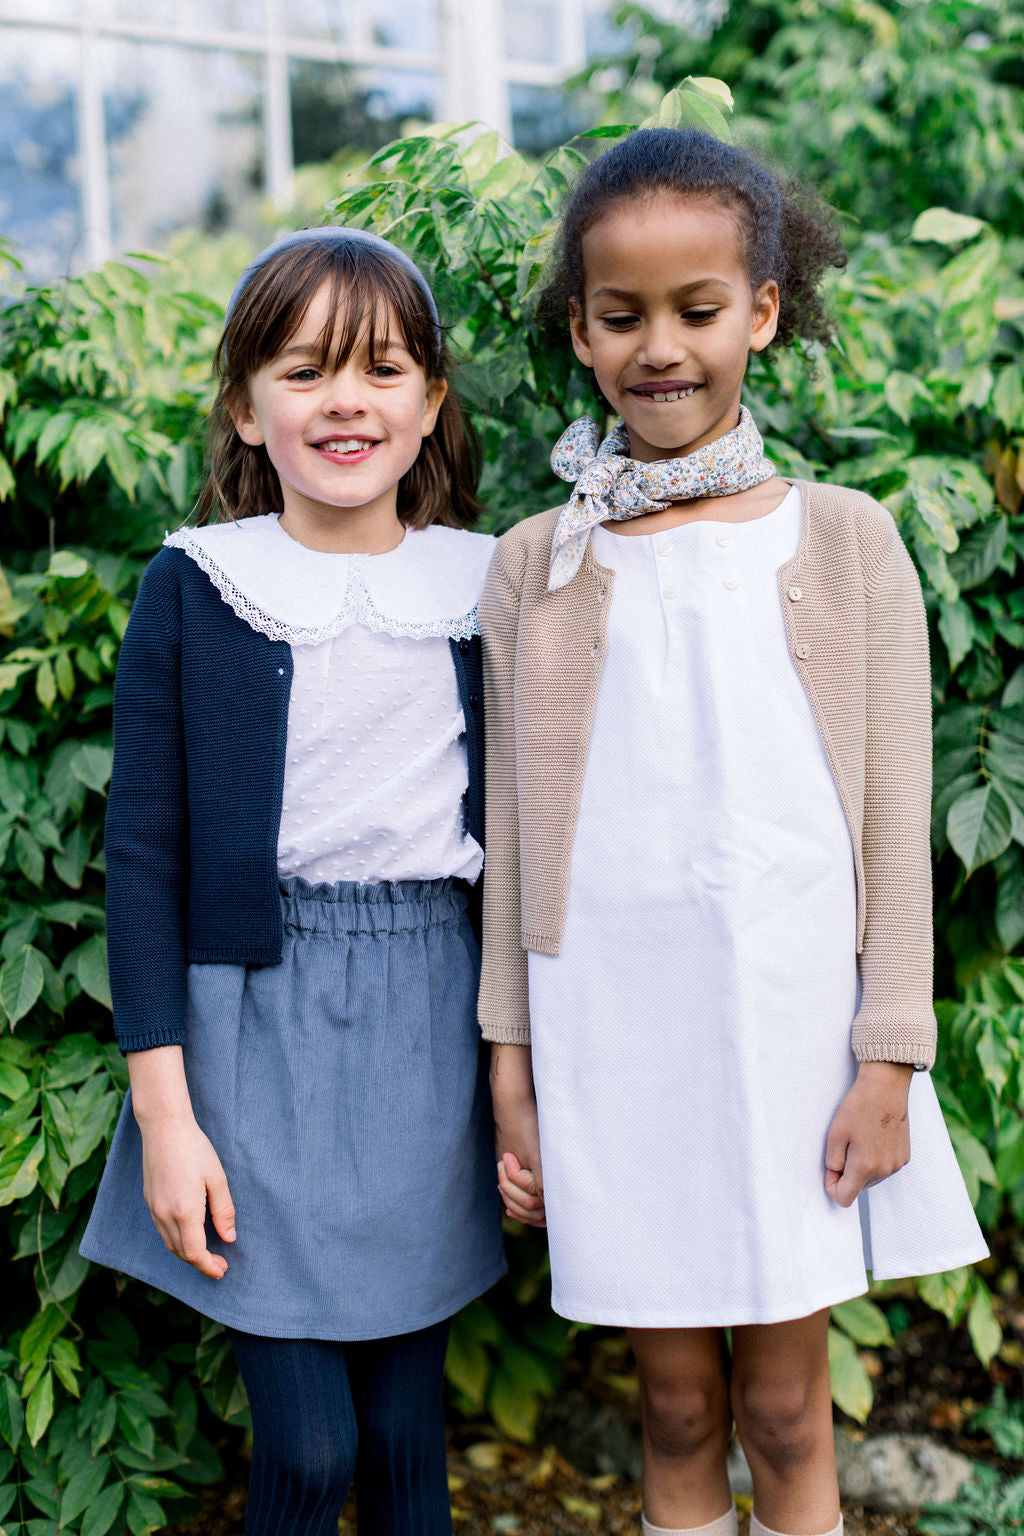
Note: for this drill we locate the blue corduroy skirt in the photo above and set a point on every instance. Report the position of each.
(345, 1093)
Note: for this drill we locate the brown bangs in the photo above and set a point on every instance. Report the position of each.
(368, 294)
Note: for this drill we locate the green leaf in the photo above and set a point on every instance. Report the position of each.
(979, 826)
(975, 1163)
(29, 856)
(467, 1367)
(946, 1292)
(91, 765)
(986, 1334)
(64, 563)
(91, 970)
(46, 686)
(946, 227)
(956, 626)
(863, 1321)
(1008, 397)
(979, 554)
(69, 866)
(39, 1408)
(13, 1082)
(12, 1414)
(21, 982)
(82, 1488)
(101, 1515)
(851, 1384)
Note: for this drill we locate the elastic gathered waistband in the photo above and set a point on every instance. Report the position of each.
(349, 906)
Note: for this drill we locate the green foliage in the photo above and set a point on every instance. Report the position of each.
(103, 383)
(1003, 1422)
(988, 1505)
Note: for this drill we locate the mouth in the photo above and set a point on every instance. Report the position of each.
(664, 391)
(345, 449)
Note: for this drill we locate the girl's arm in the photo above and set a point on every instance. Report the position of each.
(896, 1018)
(520, 1180)
(182, 1175)
(504, 999)
(869, 1138)
(147, 873)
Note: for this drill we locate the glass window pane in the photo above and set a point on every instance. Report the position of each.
(336, 108)
(531, 31)
(544, 116)
(225, 15)
(37, 10)
(327, 21)
(40, 207)
(414, 26)
(184, 138)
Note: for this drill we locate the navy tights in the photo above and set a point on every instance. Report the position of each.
(325, 1414)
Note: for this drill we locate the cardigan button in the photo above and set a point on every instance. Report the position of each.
(474, 700)
(280, 671)
(803, 651)
(795, 594)
(463, 646)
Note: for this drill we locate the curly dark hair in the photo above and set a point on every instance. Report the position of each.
(786, 232)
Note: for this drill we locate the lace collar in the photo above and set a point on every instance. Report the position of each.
(429, 585)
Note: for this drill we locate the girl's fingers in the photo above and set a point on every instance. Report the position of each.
(522, 1178)
(520, 1186)
(221, 1205)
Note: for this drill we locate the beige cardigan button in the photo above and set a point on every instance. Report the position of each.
(795, 594)
(803, 651)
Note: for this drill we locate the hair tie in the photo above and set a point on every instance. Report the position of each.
(339, 234)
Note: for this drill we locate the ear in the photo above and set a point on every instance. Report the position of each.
(765, 319)
(436, 391)
(578, 333)
(248, 428)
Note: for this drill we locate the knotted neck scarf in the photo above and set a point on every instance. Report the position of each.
(609, 484)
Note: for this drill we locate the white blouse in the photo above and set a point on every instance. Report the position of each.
(376, 771)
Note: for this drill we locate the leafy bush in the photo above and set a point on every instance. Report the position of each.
(103, 382)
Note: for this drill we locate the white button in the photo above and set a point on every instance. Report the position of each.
(795, 594)
(670, 591)
(803, 651)
(723, 539)
(664, 549)
(730, 583)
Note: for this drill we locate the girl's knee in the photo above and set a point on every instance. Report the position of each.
(682, 1418)
(781, 1421)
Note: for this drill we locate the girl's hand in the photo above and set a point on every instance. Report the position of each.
(181, 1173)
(181, 1176)
(517, 1140)
(869, 1138)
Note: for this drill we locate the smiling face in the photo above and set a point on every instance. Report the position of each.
(339, 432)
(668, 320)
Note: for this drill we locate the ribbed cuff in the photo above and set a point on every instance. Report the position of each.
(725, 1525)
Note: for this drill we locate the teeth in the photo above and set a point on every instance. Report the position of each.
(348, 445)
(675, 394)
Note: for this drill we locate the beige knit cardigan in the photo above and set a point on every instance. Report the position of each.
(856, 628)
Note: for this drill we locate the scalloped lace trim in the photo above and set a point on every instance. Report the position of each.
(358, 607)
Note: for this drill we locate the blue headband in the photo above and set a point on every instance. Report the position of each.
(335, 234)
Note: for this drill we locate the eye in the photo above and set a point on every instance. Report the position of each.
(304, 375)
(699, 316)
(618, 322)
(385, 371)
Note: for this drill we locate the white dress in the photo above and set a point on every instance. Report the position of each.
(691, 1041)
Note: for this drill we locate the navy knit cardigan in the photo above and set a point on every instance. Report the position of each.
(200, 728)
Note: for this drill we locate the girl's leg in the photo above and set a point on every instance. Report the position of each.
(303, 1434)
(684, 1398)
(782, 1404)
(402, 1468)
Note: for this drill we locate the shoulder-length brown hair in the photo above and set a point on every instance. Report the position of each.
(369, 292)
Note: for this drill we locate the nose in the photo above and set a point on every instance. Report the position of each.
(343, 396)
(662, 344)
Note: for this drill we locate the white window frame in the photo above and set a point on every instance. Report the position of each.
(474, 80)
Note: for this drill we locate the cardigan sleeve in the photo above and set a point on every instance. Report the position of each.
(147, 823)
(504, 999)
(896, 1019)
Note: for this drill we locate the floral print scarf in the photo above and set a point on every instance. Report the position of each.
(609, 484)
